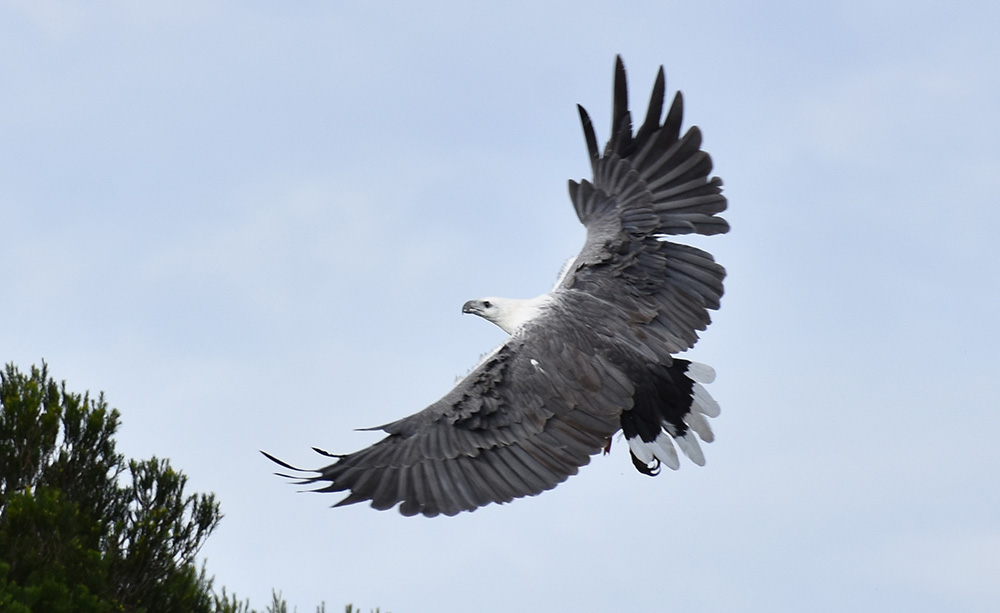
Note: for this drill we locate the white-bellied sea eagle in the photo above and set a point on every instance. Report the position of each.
(589, 358)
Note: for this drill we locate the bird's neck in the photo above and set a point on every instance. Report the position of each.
(519, 311)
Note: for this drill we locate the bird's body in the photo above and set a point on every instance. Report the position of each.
(593, 356)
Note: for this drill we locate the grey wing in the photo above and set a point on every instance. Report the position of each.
(520, 423)
(646, 186)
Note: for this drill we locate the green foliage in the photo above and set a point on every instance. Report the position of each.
(81, 529)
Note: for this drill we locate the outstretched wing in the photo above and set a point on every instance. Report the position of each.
(535, 410)
(646, 186)
(520, 423)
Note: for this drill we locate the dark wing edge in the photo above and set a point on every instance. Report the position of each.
(647, 186)
(520, 423)
(669, 169)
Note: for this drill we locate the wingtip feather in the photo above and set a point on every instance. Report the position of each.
(589, 135)
(282, 463)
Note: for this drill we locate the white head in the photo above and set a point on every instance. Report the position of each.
(508, 313)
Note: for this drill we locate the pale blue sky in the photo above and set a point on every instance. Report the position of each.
(253, 225)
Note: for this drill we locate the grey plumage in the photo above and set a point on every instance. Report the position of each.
(594, 349)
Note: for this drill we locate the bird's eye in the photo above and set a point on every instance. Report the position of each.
(487, 304)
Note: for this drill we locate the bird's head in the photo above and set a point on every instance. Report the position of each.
(508, 313)
(490, 309)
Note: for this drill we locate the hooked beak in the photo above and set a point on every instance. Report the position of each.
(472, 306)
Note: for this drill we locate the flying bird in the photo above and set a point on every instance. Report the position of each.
(593, 356)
